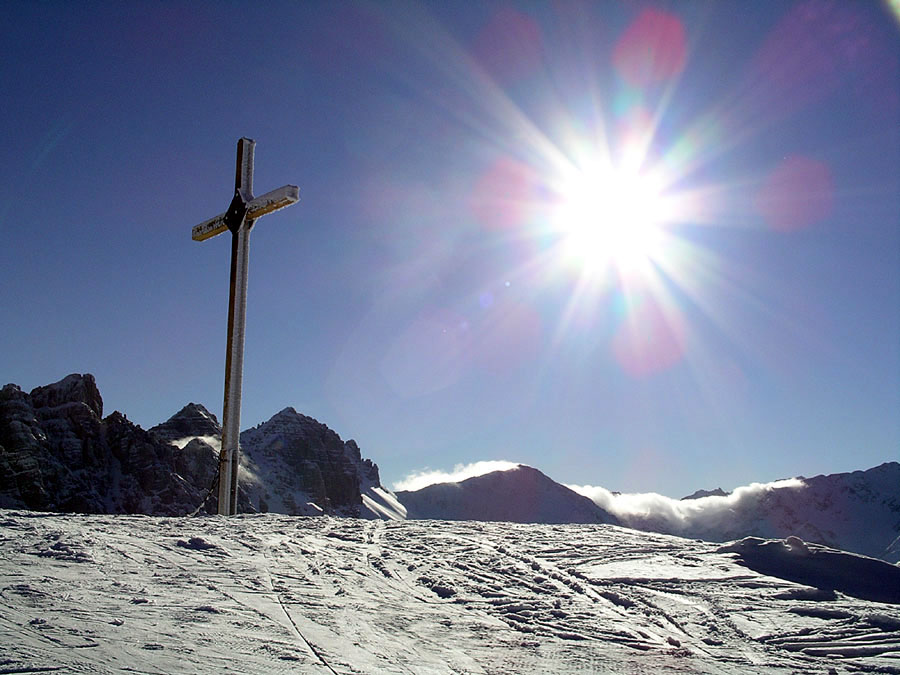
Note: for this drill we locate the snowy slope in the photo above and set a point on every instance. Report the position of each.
(278, 594)
(378, 502)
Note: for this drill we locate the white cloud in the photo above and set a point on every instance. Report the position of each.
(680, 516)
(420, 479)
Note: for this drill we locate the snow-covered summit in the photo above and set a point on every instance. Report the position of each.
(857, 511)
(296, 464)
(298, 460)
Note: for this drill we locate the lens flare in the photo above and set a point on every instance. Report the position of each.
(504, 195)
(798, 193)
(652, 49)
(651, 339)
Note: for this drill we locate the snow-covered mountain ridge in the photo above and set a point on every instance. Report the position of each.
(858, 511)
(58, 453)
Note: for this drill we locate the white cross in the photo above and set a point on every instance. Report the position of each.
(239, 218)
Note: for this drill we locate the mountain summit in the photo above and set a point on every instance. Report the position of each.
(294, 460)
(518, 495)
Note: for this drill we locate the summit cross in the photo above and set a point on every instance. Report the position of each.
(239, 219)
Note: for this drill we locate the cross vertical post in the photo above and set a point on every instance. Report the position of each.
(239, 219)
(237, 314)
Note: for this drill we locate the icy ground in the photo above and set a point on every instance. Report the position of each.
(280, 594)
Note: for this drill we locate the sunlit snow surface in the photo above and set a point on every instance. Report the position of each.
(279, 594)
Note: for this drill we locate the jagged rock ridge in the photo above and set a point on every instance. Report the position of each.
(57, 453)
(296, 459)
(700, 494)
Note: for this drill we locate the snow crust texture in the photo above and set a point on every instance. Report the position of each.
(279, 594)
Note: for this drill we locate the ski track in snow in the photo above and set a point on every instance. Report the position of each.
(279, 594)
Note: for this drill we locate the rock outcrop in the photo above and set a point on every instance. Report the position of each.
(296, 460)
(57, 453)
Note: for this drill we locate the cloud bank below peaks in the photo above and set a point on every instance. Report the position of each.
(704, 517)
(421, 479)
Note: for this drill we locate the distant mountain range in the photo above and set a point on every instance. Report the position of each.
(858, 511)
(58, 453)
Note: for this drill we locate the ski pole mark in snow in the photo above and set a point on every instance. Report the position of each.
(287, 614)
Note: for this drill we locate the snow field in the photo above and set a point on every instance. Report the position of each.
(279, 594)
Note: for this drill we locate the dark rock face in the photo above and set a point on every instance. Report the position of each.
(72, 389)
(700, 494)
(23, 446)
(192, 420)
(294, 455)
(194, 434)
(58, 454)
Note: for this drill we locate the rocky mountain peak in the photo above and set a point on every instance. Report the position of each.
(192, 420)
(73, 388)
(700, 494)
(299, 458)
(57, 453)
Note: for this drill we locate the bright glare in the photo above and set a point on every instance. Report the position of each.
(611, 217)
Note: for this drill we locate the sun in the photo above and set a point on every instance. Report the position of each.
(611, 216)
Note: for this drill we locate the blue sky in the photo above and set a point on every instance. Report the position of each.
(429, 296)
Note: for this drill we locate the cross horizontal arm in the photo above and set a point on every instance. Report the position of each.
(256, 208)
